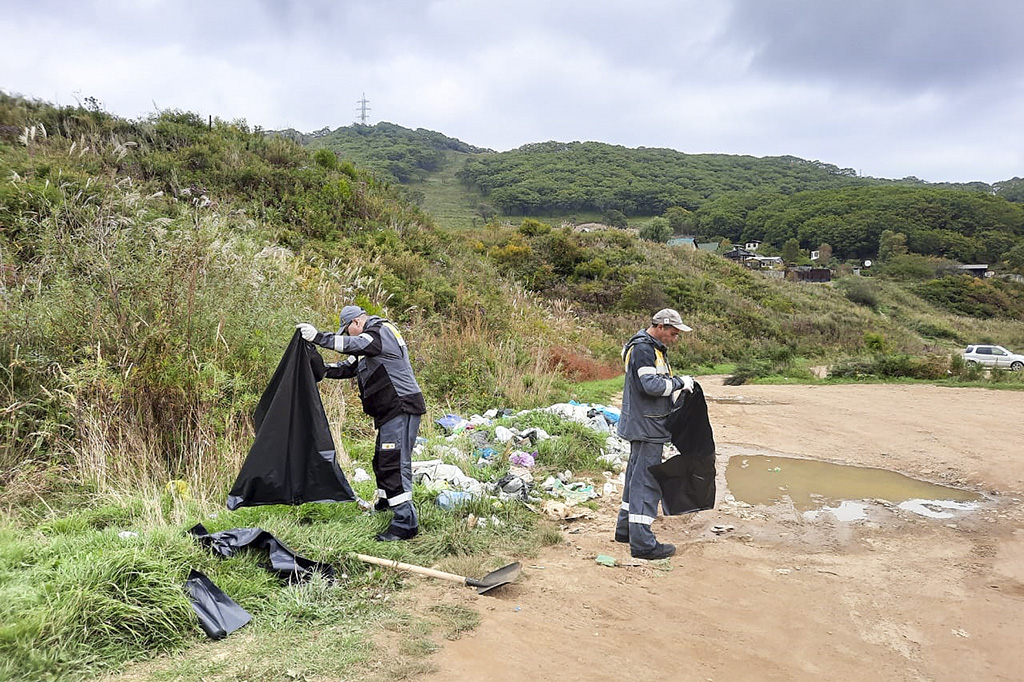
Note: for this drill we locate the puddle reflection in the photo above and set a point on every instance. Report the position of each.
(811, 484)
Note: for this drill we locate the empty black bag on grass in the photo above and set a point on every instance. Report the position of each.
(219, 615)
(283, 561)
(687, 480)
(292, 460)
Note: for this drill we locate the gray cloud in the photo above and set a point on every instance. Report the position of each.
(908, 87)
(897, 44)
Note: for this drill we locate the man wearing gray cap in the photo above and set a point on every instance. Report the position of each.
(379, 360)
(647, 398)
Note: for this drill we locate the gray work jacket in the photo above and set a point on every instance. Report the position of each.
(647, 391)
(379, 360)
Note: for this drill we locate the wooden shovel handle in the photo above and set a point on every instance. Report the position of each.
(389, 563)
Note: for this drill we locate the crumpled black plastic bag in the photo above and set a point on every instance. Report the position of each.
(219, 615)
(687, 480)
(292, 460)
(286, 563)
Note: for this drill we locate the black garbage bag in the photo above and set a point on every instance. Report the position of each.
(687, 480)
(292, 460)
(219, 615)
(283, 561)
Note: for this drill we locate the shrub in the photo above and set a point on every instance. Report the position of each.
(656, 230)
(936, 330)
(910, 266)
(325, 158)
(531, 227)
(859, 290)
(968, 295)
(578, 366)
(896, 365)
(615, 218)
(874, 342)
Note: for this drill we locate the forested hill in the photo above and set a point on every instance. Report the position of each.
(390, 150)
(574, 178)
(593, 176)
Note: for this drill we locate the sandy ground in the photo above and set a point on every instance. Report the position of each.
(895, 596)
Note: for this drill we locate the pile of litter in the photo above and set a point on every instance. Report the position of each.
(488, 440)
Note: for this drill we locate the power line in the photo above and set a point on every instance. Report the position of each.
(362, 108)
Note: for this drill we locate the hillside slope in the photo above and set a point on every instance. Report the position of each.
(716, 196)
(152, 271)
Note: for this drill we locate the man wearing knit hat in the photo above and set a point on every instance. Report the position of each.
(647, 398)
(379, 360)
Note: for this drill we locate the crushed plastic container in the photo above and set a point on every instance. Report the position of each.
(449, 499)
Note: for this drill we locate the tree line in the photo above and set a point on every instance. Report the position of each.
(557, 177)
(960, 225)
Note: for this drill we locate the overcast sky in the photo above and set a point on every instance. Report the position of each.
(890, 88)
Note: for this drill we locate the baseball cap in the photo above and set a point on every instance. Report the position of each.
(349, 313)
(670, 317)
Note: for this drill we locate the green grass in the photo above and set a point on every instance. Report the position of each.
(573, 446)
(77, 599)
(447, 200)
(457, 619)
(600, 392)
(134, 356)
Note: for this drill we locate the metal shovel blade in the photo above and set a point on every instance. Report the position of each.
(502, 576)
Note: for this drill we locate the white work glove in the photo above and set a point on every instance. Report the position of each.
(687, 383)
(307, 330)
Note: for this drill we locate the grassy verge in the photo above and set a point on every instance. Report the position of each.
(599, 392)
(89, 589)
(91, 582)
(881, 368)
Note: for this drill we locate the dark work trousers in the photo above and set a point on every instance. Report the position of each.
(392, 467)
(640, 497)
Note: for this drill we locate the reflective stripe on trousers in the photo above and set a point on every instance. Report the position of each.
(392, 466)
(640, 496)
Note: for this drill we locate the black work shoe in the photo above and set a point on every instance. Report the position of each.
(381, 505)
(394, 536)
(660, 551)
(622, 537)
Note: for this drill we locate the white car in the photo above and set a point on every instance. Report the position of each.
(993, 356)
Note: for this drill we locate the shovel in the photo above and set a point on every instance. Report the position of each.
(502, 576)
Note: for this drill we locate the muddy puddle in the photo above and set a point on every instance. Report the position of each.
(814, 487)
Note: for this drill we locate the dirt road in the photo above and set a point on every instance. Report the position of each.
(784, 596)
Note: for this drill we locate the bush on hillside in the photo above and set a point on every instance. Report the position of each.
(148, 294)
(967, 295)
(859, 290)
(895, 365)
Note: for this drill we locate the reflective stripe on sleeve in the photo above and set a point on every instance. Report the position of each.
(668, 387)
(339, 343)
(640, 518)
(644, 371)
(624, 506)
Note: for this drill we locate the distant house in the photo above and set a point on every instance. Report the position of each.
(753, 260)
(686, 242)
(766, 261)
(806, 273)
(737, 254)
(976, 270)
(752, 245)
